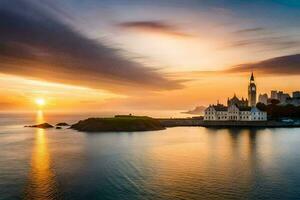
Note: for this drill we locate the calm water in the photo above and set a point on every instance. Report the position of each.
(177, 163)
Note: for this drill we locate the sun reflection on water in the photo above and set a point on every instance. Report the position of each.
(42, 184)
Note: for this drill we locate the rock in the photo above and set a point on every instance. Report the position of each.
(43, 125)
(58, 127)
(62, 124)
(117, 124)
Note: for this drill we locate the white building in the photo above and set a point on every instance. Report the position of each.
(233, 113)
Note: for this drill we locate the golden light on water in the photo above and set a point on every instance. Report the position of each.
(40, 117)
(42, 184)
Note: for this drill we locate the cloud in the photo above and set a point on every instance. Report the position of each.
(262, 39)
(154, 27)
(251, 30)
(284, 65)
(35, 43)
(266, 43)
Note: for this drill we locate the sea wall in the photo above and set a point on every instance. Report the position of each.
(198, 122)
(181, 122)
(268, 124)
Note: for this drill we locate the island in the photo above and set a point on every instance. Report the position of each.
(43, 125)
(196, 111)
(126, 123)
(62, 124)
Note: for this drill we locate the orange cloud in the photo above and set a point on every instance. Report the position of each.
(285, 65)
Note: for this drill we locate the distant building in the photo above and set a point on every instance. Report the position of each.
(274, 94)
(293, 101)
(296, 94)
(263, 98)
(280, 95)
(252, 92)
(284, 97)
(233, 113)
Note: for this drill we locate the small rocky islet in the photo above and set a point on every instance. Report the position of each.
(43, 125)
(62, 124)
(47, 125)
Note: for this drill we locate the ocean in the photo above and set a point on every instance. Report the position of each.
(176, 163)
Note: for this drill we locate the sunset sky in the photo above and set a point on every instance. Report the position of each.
(140, 54)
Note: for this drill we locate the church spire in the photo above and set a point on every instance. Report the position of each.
(252, 92)
(252, 77)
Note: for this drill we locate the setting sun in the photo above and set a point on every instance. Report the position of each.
(40, 101)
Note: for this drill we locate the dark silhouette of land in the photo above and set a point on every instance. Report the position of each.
(62, 124)
(43, 125)
(118, 123)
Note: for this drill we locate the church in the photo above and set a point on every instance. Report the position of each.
(237, 109)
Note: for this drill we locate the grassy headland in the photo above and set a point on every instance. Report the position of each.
(118, 123)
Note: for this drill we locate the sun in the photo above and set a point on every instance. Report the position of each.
(40, 102)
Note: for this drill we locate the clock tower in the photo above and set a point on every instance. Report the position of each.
(252, 92)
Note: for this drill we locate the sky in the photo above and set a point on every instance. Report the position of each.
(144, 55)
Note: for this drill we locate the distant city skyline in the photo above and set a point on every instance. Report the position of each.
(283, 97)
